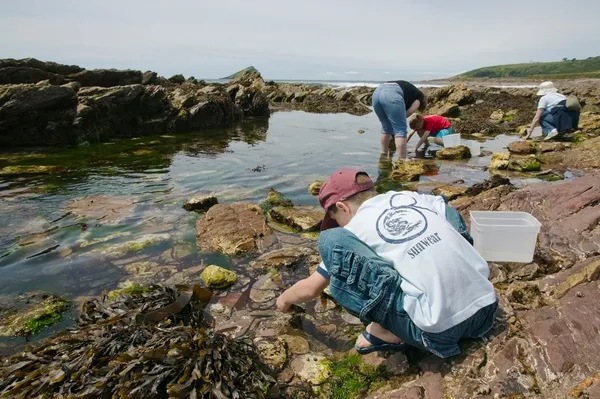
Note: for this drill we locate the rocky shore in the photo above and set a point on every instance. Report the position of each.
(44, 103)
(172, 329)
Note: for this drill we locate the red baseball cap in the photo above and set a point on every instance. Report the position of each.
(340, 186)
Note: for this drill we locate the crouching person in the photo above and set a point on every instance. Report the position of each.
(399, 265)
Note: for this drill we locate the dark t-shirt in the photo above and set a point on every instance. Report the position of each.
(411, 93)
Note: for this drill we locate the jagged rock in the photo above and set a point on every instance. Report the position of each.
(451, 153)
(24, 74)
(447, 110)
(149, 78)
(312, 368)
(212, 112)
(107, 77)
(300, 218)
(450, 192)
(233, 229)
(200, 203)
(177, 79)
(461, 95)
(284, 257)
(315, 187)
(497, 273)
(522, 147)
(252, 101)
(34, 115)
(218, 277)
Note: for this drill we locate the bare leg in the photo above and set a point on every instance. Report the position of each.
(401, 147)
(378, 331)
(385, 142)
(438, 141)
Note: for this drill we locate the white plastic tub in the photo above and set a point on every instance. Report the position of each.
(505, 236)
(451, 140)
(474, 147)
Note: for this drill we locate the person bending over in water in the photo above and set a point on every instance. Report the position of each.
(400, 266)
(429, 126)
(393, 102)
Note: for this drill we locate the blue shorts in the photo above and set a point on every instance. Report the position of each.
(389, 106)
(443, 132)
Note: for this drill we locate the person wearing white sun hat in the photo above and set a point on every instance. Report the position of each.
(552, 113)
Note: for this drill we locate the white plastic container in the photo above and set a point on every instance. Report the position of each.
(474, 147)
(451, 140)
(505, 236)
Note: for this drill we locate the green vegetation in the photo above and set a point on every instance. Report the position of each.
(565, 69)
(351, 377)
(239, 73)
(49, 316)
(133, 289)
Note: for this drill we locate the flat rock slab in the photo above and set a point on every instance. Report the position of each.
(234, 229)
(284, 257)
(300, 218)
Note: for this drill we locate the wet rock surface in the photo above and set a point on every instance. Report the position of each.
(459, 152)
(233, 229)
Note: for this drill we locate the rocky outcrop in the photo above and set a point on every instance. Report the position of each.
(36, 114)
(107, 77)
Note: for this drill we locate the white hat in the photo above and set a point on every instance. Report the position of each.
(546, 88)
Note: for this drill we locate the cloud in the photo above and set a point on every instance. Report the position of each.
(331, 73)
(352, 73)
(266, 34)
(387, 73)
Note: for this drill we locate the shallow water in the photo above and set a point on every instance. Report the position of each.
(45, 247)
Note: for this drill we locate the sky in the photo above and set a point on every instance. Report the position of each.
(307, 39)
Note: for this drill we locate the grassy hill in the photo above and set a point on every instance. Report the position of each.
(565, 69)
(238, 73)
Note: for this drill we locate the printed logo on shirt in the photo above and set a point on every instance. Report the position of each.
(403, 222)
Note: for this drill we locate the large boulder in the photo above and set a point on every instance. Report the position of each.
(299, 218)
(36, 114)
(233, 229)
(107, 77)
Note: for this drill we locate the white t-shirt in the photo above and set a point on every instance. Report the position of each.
(444, 279)
(550, 100)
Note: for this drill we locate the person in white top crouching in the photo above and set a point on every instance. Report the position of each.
(399, 265)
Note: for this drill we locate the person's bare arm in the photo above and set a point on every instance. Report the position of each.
(413, 108)
(422, 140)
(534, 122)
(303, 291)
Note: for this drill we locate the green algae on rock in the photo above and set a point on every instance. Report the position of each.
(39, 312)
(451, 153)
(315, 187)
(29, 170)
(275, 198)
(218, 277)
(140, 243)
(133, 289)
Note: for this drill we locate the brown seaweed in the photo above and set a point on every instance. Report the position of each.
(152, 345)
